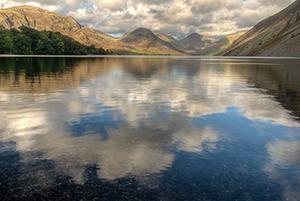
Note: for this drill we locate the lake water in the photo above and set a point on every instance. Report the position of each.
(162, 129)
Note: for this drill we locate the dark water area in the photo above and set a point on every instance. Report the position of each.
(149, 129)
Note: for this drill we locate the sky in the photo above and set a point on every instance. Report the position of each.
(175, 17)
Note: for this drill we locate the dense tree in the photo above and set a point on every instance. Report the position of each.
(6, 42)
(57, 43)
(21, 44)
(30, 41)
(43, 45)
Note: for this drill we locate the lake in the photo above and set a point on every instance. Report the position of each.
(140, 128)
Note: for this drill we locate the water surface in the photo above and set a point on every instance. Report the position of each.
(149, 129)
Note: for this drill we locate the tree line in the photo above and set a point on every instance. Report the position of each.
(28, 41)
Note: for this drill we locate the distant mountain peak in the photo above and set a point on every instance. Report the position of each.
(142, 29)
(144, 38)
(195, 36)
(139, 34)
(192, 42)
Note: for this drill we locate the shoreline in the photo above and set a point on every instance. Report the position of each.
(147, 56)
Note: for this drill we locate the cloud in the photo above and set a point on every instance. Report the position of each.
(176, 17)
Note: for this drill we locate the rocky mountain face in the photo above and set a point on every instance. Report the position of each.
(278, 35)
(41, 19)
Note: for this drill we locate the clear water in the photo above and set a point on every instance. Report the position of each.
(149, 129)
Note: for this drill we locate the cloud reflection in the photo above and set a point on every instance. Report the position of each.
(138, 151)
(152, 101)
(285, 156)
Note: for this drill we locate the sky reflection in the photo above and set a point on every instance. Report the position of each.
(139, 117)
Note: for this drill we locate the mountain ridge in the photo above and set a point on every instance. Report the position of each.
(138, 41)
(277, 35)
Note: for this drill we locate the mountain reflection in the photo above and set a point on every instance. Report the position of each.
(135, 116)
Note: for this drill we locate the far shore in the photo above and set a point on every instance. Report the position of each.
(148, 56)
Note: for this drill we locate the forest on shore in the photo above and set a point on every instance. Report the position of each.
(28, 41)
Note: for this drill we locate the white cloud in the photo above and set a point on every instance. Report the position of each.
(179, 16)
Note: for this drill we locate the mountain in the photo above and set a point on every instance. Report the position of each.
(138, 41)
(219, 46)
(196, 44)
(146, 41)
(167, 38)
(171, 40)
(192, 42)
(278, 35)
(41, 20)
